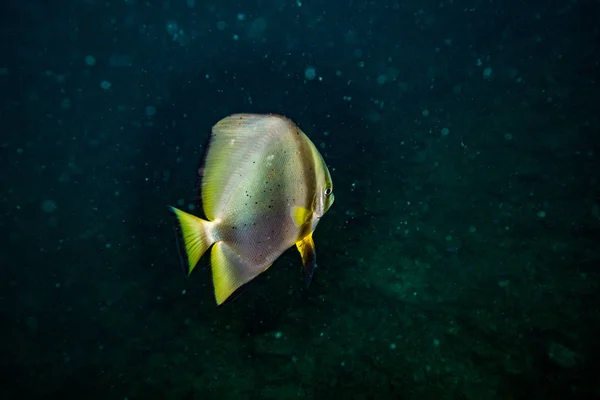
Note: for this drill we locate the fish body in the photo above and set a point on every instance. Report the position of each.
(264, 187)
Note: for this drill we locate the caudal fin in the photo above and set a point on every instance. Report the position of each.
(193, 238)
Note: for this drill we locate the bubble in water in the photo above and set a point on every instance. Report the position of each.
(49, 206)
(105, 85)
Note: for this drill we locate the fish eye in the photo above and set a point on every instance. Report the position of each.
(328, 191)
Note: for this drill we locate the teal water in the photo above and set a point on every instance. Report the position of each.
(459, 261)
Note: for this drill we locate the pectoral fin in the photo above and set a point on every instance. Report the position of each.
(306, 247)
(300, 215)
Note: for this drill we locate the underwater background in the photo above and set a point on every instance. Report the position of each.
(460, 260)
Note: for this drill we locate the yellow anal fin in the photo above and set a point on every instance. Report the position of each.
(229, 271)
(193, 238)
(306, 247)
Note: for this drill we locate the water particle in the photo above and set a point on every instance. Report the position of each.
(49, 206)
(90, 61)
(65, 104)
(172, 28)
(487, 73)
(310, 73)
(150, 111)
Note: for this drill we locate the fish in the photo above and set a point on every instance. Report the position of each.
(263, 187)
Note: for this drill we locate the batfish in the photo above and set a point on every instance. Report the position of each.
(264, 187)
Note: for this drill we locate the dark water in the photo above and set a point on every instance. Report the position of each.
(459, 261)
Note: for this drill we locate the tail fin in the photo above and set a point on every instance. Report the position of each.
(193, 238)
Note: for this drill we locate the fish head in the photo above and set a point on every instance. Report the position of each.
(324, 196)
